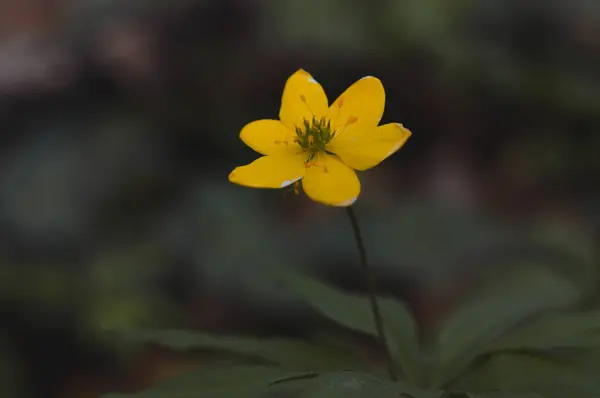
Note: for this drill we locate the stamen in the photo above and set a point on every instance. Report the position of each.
(303, 99)
(337, 108)
(349, 121)
(317, 156)
(297, 188)
(315, 133)
(340, 132)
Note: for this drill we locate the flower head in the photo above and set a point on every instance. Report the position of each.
(321, 145)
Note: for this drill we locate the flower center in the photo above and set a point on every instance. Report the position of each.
(315, 134)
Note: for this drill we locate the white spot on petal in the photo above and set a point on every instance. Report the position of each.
(289, 182)
(366, 77)
(312, 80)
(348, 202)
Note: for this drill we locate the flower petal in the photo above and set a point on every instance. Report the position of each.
(369, 150)
(303, 97)
(269, 137)
(359, 109)
(270, 172)
(329, 181)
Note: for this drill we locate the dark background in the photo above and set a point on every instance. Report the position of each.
(119, 124)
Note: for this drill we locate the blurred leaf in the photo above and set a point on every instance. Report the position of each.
(589, 358)
(127, 310)
(355, 313)
(47, 287)
(294, 354)
(467, 333)
(432, 241)
(226, 382)
(428, 24)
(119, 269)
(573, 252)
(552, 331)
(288, 19)
(214, 209)
(549, 377)
(11, 378)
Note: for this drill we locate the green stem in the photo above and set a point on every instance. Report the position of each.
(372, 290)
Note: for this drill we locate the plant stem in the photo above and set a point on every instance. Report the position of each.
(372, 290)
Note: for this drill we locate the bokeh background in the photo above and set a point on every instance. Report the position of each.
(119, 124)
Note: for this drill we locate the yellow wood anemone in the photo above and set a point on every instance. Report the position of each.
(319, 144)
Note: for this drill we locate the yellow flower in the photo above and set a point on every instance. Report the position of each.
(318, 143)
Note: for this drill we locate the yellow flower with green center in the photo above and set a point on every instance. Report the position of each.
(319, 144)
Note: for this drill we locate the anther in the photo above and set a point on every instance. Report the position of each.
(303, 99)
(277, 142)
(340, 102)
(351, 120)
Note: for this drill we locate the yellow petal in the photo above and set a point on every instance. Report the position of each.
(303, 97)
(359, 109)
(270, 172)
(369, 150)
(329, 181)
(269, 137)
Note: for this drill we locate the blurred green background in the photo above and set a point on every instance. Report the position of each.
(119, 124)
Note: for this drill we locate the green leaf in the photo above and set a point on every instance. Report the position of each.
(493, 394)
(264, 382)
(351, 385)
(226, 382)
(552, 331)
(293, 354)
(547, 376)
(403, 334)
(361, 385)
(468, 332)
(502, 394)
(457, 394)
(354, 312)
